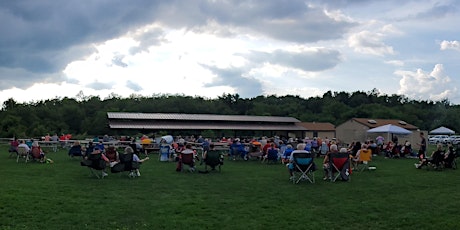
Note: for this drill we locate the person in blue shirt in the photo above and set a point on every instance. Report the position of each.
(287, 154)
(238, 149)
(100, 145)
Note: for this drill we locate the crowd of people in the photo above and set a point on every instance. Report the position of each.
(32, 148)
(109, 155)
(269, 149)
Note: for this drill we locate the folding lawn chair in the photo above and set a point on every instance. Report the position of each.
(238, 151)
(22, 153)
(365, 156)
(36, 154)
(340, 163)
(435, 162)
(214, 158)
(126, 164)
(75, 151)
(186, 159)
(303, 164)
(96, 165)
(255, 151)
(13, 151)
(272, 156)
(450, 159)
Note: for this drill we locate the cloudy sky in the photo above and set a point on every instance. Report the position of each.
(205, 48)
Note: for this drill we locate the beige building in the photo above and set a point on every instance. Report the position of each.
(318, 129)
(356, 129)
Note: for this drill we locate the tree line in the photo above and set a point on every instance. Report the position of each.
(87, 115)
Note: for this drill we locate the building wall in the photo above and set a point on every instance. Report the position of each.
(351, 131)
(322, 134)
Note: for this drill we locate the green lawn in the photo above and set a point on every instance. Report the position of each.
(245, 195)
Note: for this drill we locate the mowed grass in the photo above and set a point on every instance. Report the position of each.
(245, 195)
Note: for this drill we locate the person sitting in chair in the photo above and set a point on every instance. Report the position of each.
(97, 151)
(205, 157)
(285, 158)
(129, 150)
(75, 150)
(435, 159)
(23, 144)
(14, 146)
(190, 156)
(112, 154)
(326, 165)
(89, 149)
(272, 153)
(101, 146)
(355, 159)
(291, 166)
(37, 152)
(449, 157)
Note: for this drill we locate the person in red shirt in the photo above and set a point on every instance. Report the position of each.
(37, 152)
(13, 146)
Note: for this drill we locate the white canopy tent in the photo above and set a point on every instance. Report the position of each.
(442, 130)
(389, 129)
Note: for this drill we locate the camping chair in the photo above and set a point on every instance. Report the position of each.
(435, 162)
(22, 153)
(237, 151)
(75, 151)
(340, 163)
(450, 159)
(303, 163)
(164, 153)
(13, 151)
(214, 158)
(35, 154)
(365, 156)
(126, 164)
(96, 165)
(272, 156)
(255, 150)
(186, 159)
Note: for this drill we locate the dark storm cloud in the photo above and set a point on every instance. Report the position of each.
(34, 33)
(234, 77)
(289, 20)
(42, 37)
(147, 39)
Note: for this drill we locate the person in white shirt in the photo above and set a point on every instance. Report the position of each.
(23, 144)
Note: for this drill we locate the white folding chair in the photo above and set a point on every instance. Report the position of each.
(22, 153)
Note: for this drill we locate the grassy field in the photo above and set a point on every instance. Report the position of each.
(245, 195)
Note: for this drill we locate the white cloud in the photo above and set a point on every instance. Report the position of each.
(395, 62)
(435, 85)
(368, 42)
(450, 45)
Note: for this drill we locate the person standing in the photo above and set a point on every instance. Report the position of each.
(422, 151)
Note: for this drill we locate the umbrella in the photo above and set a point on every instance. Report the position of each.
(442, 130)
